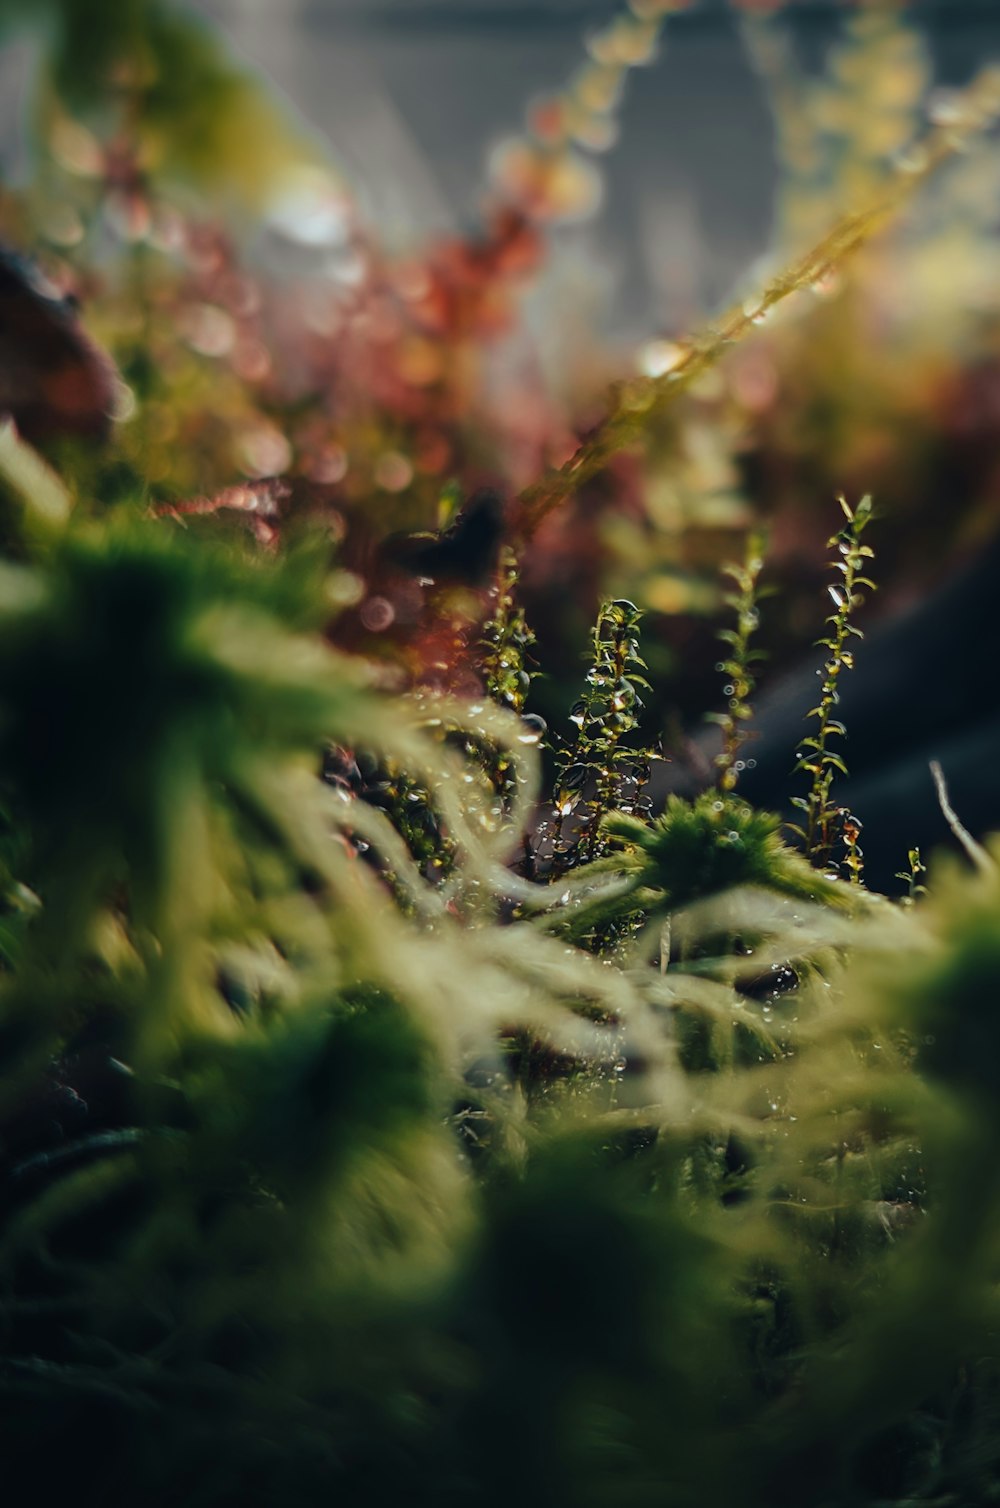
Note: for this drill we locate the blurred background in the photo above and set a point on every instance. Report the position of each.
(411, 97)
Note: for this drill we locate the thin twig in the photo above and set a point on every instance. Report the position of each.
(975, 851)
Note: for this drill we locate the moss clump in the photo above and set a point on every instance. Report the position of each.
(717, 842)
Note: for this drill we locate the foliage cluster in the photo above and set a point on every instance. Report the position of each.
(371, 1127)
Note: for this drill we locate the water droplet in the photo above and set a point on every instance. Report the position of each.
(828, 285)
(208, 330)
(125, 404)
(76, 149)
(534, 729)
(913, 160)
(944, 108)
(264, 451)
(377, 614)
(393, 472)
(329, 466)
(569, 790)
(658, 357)
(624, 696)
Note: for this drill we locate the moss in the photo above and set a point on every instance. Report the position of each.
(715, 843)
(351, 1146)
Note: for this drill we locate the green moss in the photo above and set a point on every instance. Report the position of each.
(696, 849)
(328, 1172)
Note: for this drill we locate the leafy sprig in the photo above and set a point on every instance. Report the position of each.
(914, 876)
(506, 641)
(598, 765)
(739, 664)
(814, 755)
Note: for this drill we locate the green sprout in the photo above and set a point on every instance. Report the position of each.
(913, 877)
(599, 763)
(814, 755)
(738, 666)
(506, 641)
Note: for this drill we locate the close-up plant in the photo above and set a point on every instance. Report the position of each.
(429, 1071)
(815, 756)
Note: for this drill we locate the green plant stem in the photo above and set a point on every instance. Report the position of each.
(738, 666)
(815, 757)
